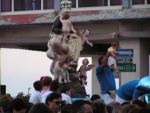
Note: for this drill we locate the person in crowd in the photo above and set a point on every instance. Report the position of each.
(54, 87)
(106, 81)
(40, 108)
(99, 107)
(66, 109)
(54, 102)
(17, 105)
(36, 96)
(81, 106)
(126, 108)
(65, 93)
(128, 92)
(4, 102)
(46, 81)
(94, 97)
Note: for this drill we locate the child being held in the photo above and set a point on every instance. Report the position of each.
(111, 54)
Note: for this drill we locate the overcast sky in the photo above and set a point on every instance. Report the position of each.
(20, 68)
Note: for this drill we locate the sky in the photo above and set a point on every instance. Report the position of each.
(20, 68)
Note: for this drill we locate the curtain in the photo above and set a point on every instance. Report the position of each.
(48, 4)
(5, 5)
(19, 5)
(115, 2)
(134, 2)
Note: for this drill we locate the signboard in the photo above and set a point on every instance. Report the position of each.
(127, 67)
(125, 59)
(125, 52)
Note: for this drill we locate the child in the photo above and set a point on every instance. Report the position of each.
(83, 69)
(85, 35)
(111, 54)
(36, 96)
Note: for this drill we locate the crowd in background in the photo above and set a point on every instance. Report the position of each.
(49, 97)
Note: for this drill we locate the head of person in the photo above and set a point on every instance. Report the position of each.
(54, 101)
(66, 109)
(94, 97)
(47, 81)
(99, 107)
(37, 85)
(115, 45)
(4, 102)
(17, 105)
(66, 89)
(81, 106)
(40, 108)
(54, 86)
(100, 60)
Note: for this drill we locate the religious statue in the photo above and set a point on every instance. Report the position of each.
(64, 47)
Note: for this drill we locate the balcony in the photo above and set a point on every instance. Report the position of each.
(12, 7)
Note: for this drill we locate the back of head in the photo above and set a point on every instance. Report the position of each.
(54, 86)
(66, 108)
(4, 102)
(100, 60)
(98, 107)
(47, 81)
(17, 104)
(37, 85)
(77, 106)
(94, 97)
(52, 96)
(40, 108)
(114, 44)
(64, 89)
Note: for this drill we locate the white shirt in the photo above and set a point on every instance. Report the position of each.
(35, 97)
(66, 98)
(44, 96)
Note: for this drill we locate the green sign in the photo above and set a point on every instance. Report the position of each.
(127, 67)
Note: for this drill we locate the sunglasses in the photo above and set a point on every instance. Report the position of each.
(57, 102)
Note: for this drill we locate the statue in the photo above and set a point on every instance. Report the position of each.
(64, 47)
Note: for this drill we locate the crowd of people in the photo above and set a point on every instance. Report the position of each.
(50, 97)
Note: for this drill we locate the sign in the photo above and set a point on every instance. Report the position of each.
(125, 59)
(127, 67)
(125, 52)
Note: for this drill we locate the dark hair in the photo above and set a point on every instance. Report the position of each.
(64, 89)
(100, 60)
(139, 103)
(40, 108)
(17, 104)
(37, 85)
(98, 107)
(66, 108)
(77, 106)
(52, 96)
(47, 81)
(94, 97)
(4, 102)
(54, 86)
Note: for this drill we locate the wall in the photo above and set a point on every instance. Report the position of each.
(135, 45)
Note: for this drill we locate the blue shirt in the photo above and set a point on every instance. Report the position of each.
(128, 90)
(105, 78)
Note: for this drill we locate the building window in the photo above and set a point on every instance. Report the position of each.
(48, 4)
(89, 3)
(6, 5)
(115, 2)
(136, 2)
(148, 1)
(23, 5)
(73, 3)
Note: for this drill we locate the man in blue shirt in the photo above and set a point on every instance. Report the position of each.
(106, 80)
(128, 92)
